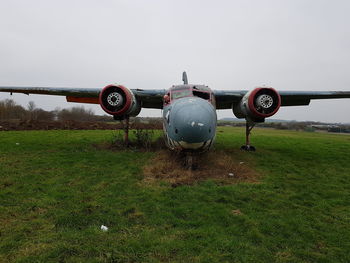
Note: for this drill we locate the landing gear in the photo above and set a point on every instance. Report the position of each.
(191, 161)
(125, 121)
(126, 131)
(247, 146)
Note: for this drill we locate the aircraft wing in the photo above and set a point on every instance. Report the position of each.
(225, 99)
(154, 98)
(298, 98)
(149, 98)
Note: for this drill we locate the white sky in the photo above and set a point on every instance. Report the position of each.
(289, 45)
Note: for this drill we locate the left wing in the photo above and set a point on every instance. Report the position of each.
(225, 99)
(148, 98)
(298, 98)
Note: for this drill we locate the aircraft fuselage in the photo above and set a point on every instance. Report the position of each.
(189, 118)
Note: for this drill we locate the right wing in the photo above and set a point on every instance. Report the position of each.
(148, 98)
(75, 92)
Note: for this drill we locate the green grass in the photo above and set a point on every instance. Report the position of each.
(57, 189)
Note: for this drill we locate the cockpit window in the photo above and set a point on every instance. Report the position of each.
(180, 94)
(181, 91)
(201, 94)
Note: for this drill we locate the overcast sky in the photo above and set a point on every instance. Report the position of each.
(289, 45)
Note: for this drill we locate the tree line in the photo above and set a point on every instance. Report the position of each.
(10, 110)
(308, 126)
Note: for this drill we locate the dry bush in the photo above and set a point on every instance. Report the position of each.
(143, 140)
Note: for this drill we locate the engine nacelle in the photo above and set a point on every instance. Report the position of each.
(119, 101)
(258, 104)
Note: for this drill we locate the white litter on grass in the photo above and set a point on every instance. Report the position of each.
(104, 228)
(231, 174)
(17, 143)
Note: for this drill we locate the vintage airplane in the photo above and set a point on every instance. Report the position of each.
(189, 111)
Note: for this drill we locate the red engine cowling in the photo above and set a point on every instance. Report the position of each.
(258, 104)
(118, 100)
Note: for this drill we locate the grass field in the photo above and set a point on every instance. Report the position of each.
(57, 189)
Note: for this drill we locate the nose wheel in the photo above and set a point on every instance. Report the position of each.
(247, 146)
(191, 161)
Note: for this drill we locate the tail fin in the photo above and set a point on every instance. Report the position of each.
(184, 78)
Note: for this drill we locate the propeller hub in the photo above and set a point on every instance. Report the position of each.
(115, 99)
(264, 101)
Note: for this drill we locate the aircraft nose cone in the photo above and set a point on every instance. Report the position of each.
(194, 120)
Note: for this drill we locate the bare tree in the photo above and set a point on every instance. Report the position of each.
(32, 110)
(10, 110)
(76, 114)
(31, 106)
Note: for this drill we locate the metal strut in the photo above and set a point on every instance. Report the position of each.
(124, 120)
(126, 131)
(247, 146)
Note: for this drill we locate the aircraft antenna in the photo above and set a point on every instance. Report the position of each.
(184, 78)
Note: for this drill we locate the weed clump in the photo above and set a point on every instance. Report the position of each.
(144, 138)
(139, 140)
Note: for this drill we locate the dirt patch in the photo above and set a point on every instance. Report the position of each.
(216, 165)
(168, 166)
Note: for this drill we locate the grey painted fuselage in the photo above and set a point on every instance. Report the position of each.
(189, 118)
